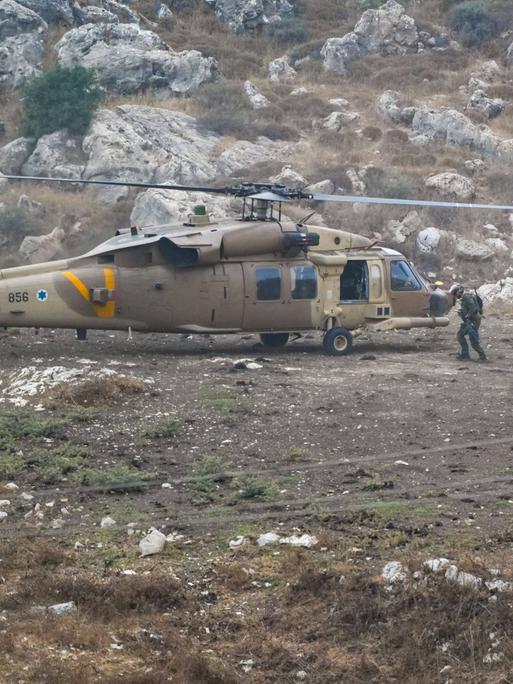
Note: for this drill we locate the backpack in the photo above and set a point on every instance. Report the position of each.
(479, 302)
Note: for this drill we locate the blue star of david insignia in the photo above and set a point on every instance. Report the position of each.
(42, 295)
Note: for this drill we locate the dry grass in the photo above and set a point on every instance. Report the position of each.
(96, 391)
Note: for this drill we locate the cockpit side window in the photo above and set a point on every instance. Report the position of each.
(303, 282)
(402, 277)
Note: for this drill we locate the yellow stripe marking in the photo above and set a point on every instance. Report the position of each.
(107, 310)
(79, 285)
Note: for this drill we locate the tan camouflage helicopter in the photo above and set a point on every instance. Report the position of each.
(261, 273)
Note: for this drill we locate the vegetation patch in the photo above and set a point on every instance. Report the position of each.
(117, 478)
(96, 391)
(60, 98)
(166, 428)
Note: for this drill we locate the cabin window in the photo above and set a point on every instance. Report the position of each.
(402, 277)
(354, 282)
(106, 259)
(268, 283)
(376, 281)
(303, 282)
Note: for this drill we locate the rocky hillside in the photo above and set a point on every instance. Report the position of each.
(405, 100)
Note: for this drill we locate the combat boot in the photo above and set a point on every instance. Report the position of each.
(463, 357)
(482, 358)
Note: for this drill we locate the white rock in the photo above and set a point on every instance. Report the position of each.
(268, 538)
(339, 102)
(470, 250)
(10, 487)
(280, 70)
(67, 608)
(399, 231)
(452, 184)
(299, 91)
(290, 178)
(56, 154)
(489, 106)
(238, 541)
(52, 11)
(164, 12)
(324, 187)
(127, 59)
(305, 540)
(158, 207)
(428, 240)
(30, 206)
(41, 248)
(250, 15)
(388, 106)
(256, 98)
(4, 503)
(437, 564)
(107, 521)
(3, 516)
(498, 246)
(492, 230)
(152, 543)
(243, 154)
(394, 572)
(387, 30)
(498, 294)
(14, 155)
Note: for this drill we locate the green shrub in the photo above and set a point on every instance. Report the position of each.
(473, 21)
(15, 224)
(289, 31)
(60, 98)
(119, 477)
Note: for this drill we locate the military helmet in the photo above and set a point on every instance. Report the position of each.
(456, 289)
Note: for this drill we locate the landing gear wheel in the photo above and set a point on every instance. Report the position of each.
(338, 342)
(274, 339)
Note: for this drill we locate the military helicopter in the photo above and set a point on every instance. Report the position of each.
(261, 273)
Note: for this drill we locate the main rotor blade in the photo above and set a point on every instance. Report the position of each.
(129, 184)
(357, 199)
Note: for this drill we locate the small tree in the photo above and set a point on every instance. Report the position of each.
(473, 21)
(60, 98)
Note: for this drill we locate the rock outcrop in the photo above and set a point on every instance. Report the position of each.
(22, 34)
(148, 144)
(128, 59)
(52, 11)
(452, 185)
(248, 15)
(389, 107)
(280, 70)
(387, 30)
(157, 207)
(57, 155)
(14, 155)
(243, 154)
(255, 97)
(491, 107)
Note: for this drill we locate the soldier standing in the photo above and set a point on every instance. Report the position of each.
(470, 313)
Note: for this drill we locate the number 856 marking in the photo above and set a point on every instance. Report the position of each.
(17, 297)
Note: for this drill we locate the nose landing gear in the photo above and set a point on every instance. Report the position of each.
(338, 342)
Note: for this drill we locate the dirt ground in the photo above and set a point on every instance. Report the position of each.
(398, 452)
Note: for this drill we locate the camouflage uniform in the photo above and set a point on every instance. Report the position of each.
(471, 321)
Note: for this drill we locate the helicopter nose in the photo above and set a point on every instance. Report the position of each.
(438, 303)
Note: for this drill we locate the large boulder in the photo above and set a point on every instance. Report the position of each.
(387, 30)
(248, 15)
(128, 59)
(428, 240)
(398, 232)
(15, 19)
(389, 107)
(157, 207)
(52, 11)
(148, 144)
(41, 248)
(498, 295)
(22, 34)
(21, 58)
(280, 70)
(56, 155)
(290, 178)
(480, 102)
(111, 7)
(470, 250)
(14, 155)
(255, 97)
(452, 185)
(450, 127)
(243, 154)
